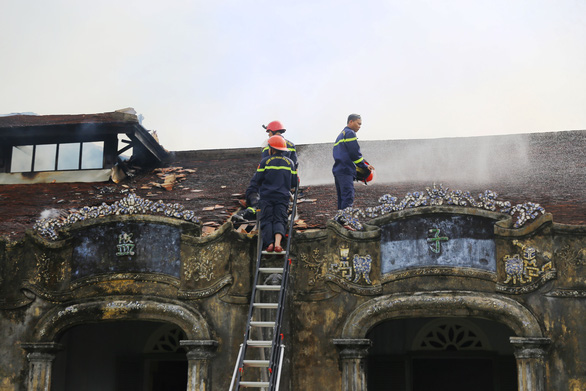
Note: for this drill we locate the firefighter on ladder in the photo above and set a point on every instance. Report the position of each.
(275, 176)
(274, 128)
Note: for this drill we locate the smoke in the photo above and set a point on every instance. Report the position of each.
(51, 214)
(455, 160)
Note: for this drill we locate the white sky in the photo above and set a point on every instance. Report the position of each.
(208, 74)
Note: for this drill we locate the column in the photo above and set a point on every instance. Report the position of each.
(40, 356)
(352, 357)
(530, 354)
(199, 353)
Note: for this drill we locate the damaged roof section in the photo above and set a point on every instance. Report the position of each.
(75, 148)
(546, 169)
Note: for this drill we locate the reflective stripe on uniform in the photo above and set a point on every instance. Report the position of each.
(346, 140)
(276, 168)
(358, 161)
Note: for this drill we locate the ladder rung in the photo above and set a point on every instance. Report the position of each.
(261, 344)
(270, 269)
(256, 363)
(274, 253)
(268, 287)
(256, 384)
(266, 305)
(262, 324)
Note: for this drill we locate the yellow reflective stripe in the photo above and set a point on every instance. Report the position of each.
(265, 149)
(358, 161)
(276, 168)
(346, 140)
(253, 209)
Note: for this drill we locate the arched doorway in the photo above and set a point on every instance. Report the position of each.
(44, 347)
(455, 354)
(125, 355)
(529, 344)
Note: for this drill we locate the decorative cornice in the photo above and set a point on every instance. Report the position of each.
(567, 293)
(354, 288)
(201, 293)
(439, 271)
(440, 196)
(129, 205)
(546, 276)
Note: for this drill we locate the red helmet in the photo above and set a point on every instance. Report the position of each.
(364, 174)
(278, 142)
(275, 126)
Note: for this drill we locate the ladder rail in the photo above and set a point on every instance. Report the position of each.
(281, 355)
(240, 362)
(277, 336)
(277, 348)
(235, 369)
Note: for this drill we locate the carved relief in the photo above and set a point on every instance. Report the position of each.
(315, 264)
(43, 262)
(525, 272)
(571, 256)
(359, 269)
(351, 272)
(201, 266)
(362, 266)
(48, 270)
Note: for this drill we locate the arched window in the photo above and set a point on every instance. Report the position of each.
(450, 335)
(165, 340)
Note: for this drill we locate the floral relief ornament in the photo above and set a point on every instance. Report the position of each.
(202, 267)
(523, 268)
(314, 264)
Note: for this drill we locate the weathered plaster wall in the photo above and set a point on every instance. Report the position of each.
(335, 274)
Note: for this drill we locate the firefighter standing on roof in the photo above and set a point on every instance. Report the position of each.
(347, 159)
(275, 176)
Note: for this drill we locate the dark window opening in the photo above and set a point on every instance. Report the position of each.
(440, 354)
(57, 157)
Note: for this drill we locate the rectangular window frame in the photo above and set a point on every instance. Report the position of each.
(58, 150)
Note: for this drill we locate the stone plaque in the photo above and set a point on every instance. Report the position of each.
(130, 247)
(438, 240)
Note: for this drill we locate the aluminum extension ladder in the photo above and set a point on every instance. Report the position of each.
(260, 358)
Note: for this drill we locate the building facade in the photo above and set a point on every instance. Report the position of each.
(436, 294)
(437, 290)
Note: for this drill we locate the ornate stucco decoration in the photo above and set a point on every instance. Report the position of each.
(352, 273)
(204, 271)
(129, 205)
(573, 258)
(316, 265)
(525, 272)
(437, 196)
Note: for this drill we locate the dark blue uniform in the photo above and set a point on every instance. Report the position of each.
(347, 157)
(274, 178)
(291, 152)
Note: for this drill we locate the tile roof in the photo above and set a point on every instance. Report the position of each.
(545, 168)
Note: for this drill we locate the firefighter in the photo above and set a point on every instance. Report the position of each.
(347, 160)
(277, 128)
(251, 198)
(275, 176)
